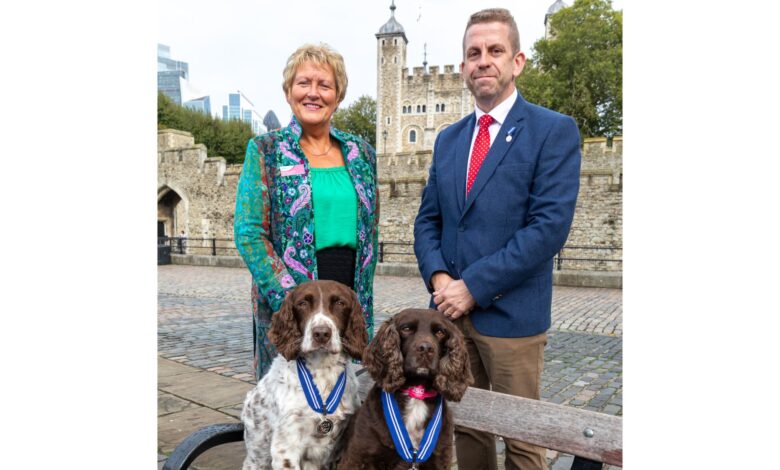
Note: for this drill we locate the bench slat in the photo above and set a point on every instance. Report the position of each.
(549, 425)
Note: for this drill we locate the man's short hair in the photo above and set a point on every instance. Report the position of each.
(495, 15)
(321, 55)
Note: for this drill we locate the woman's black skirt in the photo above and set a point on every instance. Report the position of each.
(337, 264)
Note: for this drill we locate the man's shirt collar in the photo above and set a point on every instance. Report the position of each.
(500, 111)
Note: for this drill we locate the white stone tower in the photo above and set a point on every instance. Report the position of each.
(390, 61)
(554, 8)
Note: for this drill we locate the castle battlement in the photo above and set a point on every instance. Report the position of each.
(173, 138)
(418, 74)
(602, 145)
(177, 149)
(196, 193)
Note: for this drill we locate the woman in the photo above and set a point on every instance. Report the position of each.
(307, 205)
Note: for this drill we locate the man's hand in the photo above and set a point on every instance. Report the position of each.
(439, 280)
(454, 300)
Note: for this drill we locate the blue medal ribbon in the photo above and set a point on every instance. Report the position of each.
(312, 394)
(403, 444)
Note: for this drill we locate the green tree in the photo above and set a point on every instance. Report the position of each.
(226, 139)
(359, 119)
(579, 71)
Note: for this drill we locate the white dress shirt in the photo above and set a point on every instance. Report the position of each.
(498, 114)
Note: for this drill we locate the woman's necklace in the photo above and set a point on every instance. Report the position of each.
(330, 144)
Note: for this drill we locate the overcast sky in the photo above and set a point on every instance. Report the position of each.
(243, 44)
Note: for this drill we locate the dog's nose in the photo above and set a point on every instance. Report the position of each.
(321, 334)
(425, 347)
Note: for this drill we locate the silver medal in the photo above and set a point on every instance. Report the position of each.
(325, 426)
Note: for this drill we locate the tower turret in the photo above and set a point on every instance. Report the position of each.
(390, 61)
(554, 8)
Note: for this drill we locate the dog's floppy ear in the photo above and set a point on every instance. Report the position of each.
(355, 337)
(284, 332)
(383, 358)
(454, 375)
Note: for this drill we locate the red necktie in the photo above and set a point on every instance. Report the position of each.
(481, 147)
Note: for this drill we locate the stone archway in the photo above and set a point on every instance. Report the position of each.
(171, 213)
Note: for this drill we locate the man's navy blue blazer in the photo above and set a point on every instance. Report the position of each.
(502, 238)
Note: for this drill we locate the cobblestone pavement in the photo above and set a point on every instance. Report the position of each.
(204, 321)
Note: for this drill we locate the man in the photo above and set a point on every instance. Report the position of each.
(497, 207)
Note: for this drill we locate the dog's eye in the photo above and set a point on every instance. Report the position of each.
(340, 303)
(302, 303)
(406, 328)
(440, 333)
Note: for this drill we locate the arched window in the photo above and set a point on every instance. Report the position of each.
(423, 108)
(395, 42)
(412, 136)
(418, 108)
(442, 107)
(437, 107)
(383, 42)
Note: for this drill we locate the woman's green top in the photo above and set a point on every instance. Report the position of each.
(335, 208)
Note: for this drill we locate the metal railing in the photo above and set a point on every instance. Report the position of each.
(403, 249)
(199, 246)
(579, 256)
(602, 258)
(596, 261)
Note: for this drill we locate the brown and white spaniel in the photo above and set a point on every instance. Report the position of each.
(321, 323)
(415, 356)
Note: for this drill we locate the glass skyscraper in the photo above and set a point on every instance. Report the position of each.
(169, 73)
(239, 107)
(202, 104)
(173, 80)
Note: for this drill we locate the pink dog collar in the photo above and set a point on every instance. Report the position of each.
(419, 392)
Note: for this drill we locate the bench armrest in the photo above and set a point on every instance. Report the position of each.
(202, 440)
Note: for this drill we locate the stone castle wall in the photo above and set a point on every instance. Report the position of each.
(598, 218)
(205, 185)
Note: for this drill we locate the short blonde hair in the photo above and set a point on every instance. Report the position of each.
(322, 55)
(498, 15)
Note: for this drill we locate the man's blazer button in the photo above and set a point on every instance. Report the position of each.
(497, 297)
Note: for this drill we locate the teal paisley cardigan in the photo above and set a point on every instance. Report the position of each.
(274, 224)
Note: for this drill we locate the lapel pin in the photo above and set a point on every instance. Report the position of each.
(509, 134)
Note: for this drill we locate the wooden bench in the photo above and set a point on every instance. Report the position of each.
(593, 438)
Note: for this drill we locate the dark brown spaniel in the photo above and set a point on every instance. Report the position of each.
(415, 355)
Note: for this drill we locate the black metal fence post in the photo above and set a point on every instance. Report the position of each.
(381, 252)
(213, 247)
(181, 245)
(163, 250)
